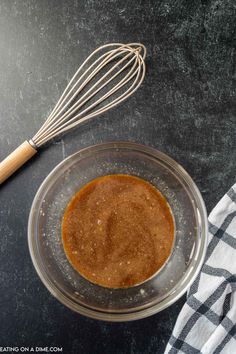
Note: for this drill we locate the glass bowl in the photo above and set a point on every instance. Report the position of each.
(158, 292)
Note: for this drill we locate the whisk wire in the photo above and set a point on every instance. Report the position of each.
(65, 94)
(63, 118)
(54, 114)
(119, 99)
(81, 102)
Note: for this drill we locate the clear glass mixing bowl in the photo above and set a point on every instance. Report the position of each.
(157, 293)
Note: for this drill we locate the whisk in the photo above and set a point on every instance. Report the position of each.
(107, 77)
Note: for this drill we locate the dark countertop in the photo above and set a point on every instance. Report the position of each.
(186, 108)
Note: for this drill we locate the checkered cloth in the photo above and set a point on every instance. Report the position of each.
(207, 322)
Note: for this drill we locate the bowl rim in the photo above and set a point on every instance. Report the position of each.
(191, 272)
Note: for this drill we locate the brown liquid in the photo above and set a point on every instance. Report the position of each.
(118, 231)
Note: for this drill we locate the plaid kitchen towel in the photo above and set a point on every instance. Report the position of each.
(207, 322)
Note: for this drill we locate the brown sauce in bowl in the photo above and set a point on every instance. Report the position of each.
(118, 231)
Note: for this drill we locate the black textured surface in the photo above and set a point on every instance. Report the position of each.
(186, 108)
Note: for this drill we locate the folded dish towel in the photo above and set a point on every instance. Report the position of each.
(207, 322)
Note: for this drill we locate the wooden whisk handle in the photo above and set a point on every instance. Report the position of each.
(15, 160)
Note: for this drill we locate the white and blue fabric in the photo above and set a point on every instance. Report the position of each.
(207, 322)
